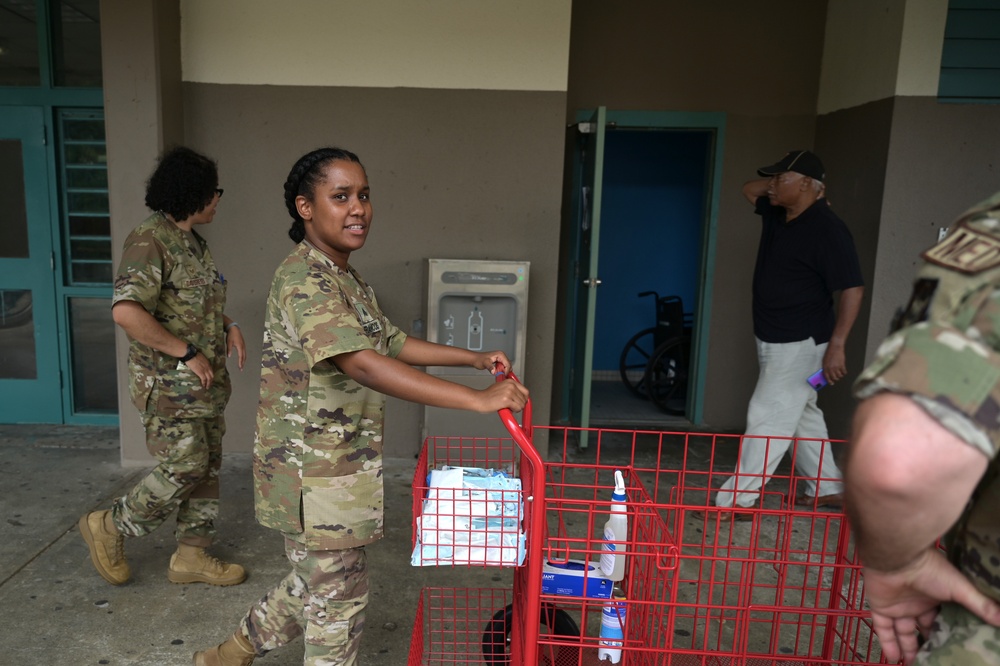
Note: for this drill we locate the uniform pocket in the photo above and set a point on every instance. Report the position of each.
(343, 511)
(179, 394)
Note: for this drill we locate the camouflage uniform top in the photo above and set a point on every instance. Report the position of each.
(182, 289)
(945, 354)
(318, 451)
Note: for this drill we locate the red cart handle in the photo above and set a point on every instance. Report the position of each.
(524, 632)
(507, 416)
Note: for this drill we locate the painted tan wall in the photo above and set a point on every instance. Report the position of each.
(454, 174)
(854, 144)
(942, 159)
(920, 51)
(457, 44)
(860, 52)
(754, 58)
(876, 49)
(143, 114)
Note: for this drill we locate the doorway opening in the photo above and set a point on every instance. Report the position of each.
(641, 206)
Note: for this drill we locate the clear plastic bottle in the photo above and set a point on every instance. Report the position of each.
(615, 530)
(612, 635)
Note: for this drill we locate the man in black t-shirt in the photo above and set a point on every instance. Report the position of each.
(806, 255)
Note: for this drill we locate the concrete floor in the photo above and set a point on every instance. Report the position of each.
(55, 609)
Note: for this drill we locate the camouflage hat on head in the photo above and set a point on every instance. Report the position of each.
(799, 161)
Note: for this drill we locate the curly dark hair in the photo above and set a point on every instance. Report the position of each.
(302, 181)
(183, 183)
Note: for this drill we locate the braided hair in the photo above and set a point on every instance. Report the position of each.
(303, 178)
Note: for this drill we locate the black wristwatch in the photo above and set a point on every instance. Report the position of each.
(192, 351)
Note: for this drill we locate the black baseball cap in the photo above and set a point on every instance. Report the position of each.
(799, 161)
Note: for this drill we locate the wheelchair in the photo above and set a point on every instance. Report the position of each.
(654, 363)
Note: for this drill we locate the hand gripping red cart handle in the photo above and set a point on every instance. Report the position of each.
(527, 579)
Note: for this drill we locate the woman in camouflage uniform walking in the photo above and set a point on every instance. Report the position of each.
(169, 298)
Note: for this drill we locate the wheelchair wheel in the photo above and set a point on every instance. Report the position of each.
(666, 376)
(496, 638)
(635, 357)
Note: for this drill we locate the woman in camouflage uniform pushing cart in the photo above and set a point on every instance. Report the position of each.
(330, 357)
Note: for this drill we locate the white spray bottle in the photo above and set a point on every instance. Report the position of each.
(615, 530)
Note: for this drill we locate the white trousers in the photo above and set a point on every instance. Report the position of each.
(783, 407)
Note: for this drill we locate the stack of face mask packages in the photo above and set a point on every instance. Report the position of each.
(470, 516)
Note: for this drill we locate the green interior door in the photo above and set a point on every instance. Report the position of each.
(29, 352)
(588, 228)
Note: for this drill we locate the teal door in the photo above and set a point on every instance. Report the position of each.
(585, 281)
(29, 340)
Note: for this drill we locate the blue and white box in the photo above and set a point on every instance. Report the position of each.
(568, 579)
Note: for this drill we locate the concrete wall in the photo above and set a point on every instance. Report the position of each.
(854, 144)
(143, 114)
(942, 159)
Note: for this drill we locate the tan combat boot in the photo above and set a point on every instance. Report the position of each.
(191, 564)
(237, 651)
(107, 546)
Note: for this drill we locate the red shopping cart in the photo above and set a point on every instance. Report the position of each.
(781, 587)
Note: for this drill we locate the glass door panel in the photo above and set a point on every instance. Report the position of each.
(29, 353)
(17, 335)
(92, 348)
(13, 214)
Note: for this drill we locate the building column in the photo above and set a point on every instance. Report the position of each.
(143, 111)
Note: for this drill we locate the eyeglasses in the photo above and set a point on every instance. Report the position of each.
(219, 191)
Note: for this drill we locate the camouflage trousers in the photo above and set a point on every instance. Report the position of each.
(959, 638)
(186, 478)
(323, 599)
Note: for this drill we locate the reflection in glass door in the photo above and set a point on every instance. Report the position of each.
(29, 352)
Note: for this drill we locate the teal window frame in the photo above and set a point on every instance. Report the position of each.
(970, 57)
(69, 191)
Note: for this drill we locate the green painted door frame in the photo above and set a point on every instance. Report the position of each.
(581, 276)
(34, 114)
(585, 282)
(31, 112)
(30, 379)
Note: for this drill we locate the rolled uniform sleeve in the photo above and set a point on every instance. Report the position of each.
(141, 270)
(952, 377)
(945, 352)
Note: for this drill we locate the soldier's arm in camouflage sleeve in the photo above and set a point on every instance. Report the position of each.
(396, 378)
(908, 479)
(143, 327)
(420, 352)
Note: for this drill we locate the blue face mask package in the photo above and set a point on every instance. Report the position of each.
(470, 516)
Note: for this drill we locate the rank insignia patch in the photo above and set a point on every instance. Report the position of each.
(966, 250)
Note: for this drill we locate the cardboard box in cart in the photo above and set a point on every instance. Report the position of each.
(568, 579)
